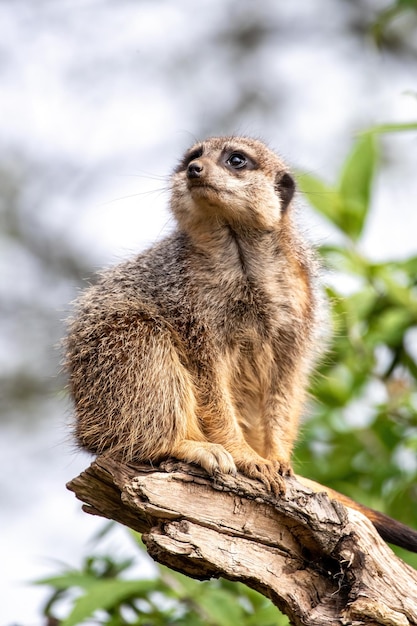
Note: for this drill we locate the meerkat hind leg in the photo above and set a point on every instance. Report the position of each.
(173, 427)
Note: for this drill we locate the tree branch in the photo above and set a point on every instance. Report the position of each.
(319, 562)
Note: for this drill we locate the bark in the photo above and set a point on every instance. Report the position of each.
(319, 562)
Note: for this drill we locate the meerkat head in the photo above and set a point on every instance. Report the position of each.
(231, 180)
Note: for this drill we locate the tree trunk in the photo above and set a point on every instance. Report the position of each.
(319, 562)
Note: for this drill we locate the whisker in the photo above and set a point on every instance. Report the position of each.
(165, 225)
(159, 191)
(144, 174)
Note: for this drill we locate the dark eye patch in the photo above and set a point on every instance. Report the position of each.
(190, 156)
(195, 154)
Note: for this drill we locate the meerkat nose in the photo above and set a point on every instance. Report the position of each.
(194, 170)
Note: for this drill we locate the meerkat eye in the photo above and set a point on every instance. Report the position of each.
(237, 160)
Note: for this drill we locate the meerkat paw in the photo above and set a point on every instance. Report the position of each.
(285, 468)
(211, 456)
(268, 472)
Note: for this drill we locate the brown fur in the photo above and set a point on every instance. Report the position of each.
(200, 347)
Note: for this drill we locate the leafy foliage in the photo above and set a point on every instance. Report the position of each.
(362, 434)
(169, 599)
(360, 438)
(346, 205)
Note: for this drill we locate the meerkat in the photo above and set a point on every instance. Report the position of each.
(200, 348)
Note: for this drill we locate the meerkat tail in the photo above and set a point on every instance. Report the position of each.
(388, 528)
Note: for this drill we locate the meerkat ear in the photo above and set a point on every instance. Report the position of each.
(285, 188)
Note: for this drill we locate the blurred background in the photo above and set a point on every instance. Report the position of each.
(98, 99)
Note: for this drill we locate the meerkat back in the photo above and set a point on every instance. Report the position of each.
(200, 347)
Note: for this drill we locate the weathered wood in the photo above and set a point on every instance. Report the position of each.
(319, 562)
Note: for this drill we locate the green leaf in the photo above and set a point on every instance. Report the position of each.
(106, 595)
(346, 207)
(391, 128)
(395, 284)
(390, 326)
(322, 197)
(410, 266)
(356, 185)
(361, 304)
(267, 615)
(179, 585)
(67, 581)
(220, 607)
(345, 259)
(336, 388)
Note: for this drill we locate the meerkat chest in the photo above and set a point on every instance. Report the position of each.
(243, 304)
(245, 319)
(258, 302)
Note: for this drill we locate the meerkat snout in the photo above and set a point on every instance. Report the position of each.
(194, 170)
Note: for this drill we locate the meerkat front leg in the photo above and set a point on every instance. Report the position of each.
(221, 425)
(281, 418)
(180, 429)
